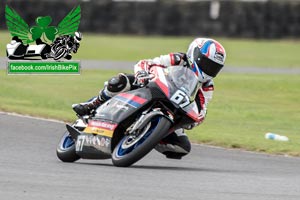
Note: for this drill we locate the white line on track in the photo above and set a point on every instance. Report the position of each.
(31, 117)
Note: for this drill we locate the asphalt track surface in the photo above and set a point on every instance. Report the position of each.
(30, 170)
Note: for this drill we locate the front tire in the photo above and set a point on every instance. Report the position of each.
(129, 150)
(59, 53)
(65, 150)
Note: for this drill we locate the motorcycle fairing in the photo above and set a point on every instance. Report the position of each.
(175, 78)
(160, 79)
(92, 146)
(123, 105)
(193, 112)
(131, 99)
(35, 50)
(100, 128)
(96, 139)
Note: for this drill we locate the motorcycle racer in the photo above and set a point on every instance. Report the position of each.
(72, 41)
(16, 49)
(205, 57)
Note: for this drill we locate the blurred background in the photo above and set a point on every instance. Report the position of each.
(226, 18)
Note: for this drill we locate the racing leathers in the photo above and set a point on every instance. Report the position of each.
(204, 94)
(176, 144)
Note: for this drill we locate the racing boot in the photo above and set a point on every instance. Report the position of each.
(174, 146)
(86, 108)
(114, 86)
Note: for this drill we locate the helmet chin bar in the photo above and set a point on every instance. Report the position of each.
(202, 77)
(205, 78)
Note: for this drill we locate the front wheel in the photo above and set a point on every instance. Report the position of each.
(65, 150)
(59, 53)
(132, 148)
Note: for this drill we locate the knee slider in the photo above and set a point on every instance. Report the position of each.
(117, 85)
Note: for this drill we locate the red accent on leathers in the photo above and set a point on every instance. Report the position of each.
(201, 99)
(172, 58)
(209, 88)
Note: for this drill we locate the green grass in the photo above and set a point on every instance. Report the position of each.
(240, 52)
(49, 96)
(243, 109)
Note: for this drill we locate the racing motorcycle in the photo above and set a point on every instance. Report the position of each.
(59, 50)
(131, 124)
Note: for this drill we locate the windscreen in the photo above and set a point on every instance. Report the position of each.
(184, 79)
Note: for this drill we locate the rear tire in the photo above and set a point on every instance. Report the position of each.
(65, 150)
(125, 155)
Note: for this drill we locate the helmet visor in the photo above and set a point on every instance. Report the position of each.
(208, 66)
(77, 39)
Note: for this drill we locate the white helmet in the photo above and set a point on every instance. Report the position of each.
(206, 58)
(77, 36)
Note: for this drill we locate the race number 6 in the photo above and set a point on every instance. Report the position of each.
(180, 98)
(79, 143)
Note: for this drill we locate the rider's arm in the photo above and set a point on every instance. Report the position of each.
(61, 39)
(76, 47)
(163, 61)
(204, 96)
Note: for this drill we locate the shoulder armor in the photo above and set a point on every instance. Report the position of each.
(177, 58)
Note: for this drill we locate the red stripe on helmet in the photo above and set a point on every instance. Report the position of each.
(219, 48)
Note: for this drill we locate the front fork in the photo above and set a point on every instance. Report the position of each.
(145, 118)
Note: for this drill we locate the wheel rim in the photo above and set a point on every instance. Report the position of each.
(59, 53)
(132, 140)
(129, 143)
(67, 142)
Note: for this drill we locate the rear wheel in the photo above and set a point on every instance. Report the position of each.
(65, 150)
(132, 148)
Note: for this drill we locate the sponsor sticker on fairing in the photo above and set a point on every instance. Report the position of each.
(101, 124)
(91, 140)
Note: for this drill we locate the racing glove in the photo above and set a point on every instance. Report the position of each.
(142, 77)
(190, 126)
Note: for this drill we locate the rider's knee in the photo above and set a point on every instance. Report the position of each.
(176, 145)
(116, 85)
